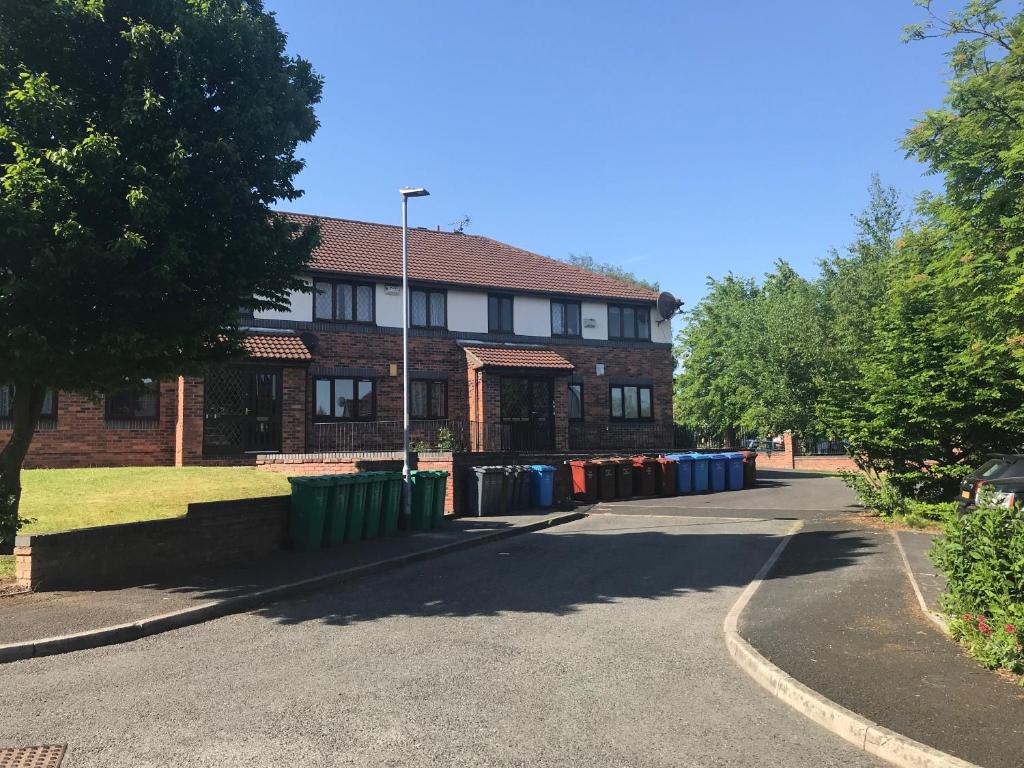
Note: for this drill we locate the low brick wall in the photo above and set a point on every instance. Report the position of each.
(210, 534)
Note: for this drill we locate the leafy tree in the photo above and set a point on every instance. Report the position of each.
(586, 262)
(142, 143)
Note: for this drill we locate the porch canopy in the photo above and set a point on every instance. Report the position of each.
(531, 358)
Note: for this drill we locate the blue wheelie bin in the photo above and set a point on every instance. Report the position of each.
(684, 471)
(716, 471)
(734, 471)
(542, 485)
(701, 479)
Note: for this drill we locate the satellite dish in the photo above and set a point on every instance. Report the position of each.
(668, 305)
(312, 342)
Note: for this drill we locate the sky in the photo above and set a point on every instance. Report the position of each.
(678, 139)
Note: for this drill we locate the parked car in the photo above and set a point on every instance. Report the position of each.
(1003, 475)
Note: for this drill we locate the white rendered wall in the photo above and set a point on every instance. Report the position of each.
(531, 316)
(389, 308)
(467, 311)
(598, 312)
(301, 308)
(660, 331)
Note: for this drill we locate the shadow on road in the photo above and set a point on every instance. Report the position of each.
(558, 574)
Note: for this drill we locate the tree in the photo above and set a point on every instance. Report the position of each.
(586, 262)
(142, 143)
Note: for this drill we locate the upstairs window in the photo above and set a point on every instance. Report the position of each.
(427, 309)
(135, 404)
(565, 318)
(343, 301)
(631, 403)
(428, 399)
(629, 322)
(499, 314)
(47, 416)
(344, 399)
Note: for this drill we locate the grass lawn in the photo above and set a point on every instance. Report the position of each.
(61, 499)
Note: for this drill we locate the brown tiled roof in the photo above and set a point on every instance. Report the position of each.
(361, 248)
(517, 357)
(271, 346)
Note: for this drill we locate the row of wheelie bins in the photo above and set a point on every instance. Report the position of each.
(504, 490)
(608, 479)
(328, 510)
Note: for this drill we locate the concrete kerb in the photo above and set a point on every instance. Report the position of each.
(933, 616)
(862, 733)
(214, 609)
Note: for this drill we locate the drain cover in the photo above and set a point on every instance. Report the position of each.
(50, 756)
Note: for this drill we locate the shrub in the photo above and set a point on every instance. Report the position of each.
(876, 493)
(982, 556)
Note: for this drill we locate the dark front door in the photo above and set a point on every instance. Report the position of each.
(242, 411)
(527, 407)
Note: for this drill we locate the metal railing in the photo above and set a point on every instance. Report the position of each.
(424, 435)
(818, 446)
(612, 436)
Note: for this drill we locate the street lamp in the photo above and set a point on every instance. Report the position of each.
(406, 484)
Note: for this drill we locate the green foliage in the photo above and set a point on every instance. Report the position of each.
(890, 497)
(586, 262)
(982, 556)
(750, 354)
(445, 439)
(142, 143)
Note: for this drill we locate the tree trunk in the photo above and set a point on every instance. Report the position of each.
(27, 405)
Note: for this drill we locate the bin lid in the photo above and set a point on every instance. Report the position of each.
(542, 468)
(679, 456)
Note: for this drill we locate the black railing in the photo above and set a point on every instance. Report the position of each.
(432, 435)
(612, 436)
(819, 446)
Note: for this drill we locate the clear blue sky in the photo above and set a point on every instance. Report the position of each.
(676, 138)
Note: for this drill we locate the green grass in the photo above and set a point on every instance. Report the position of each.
(62, 499)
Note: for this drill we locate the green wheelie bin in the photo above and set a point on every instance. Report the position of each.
(440, 494)
(338, 506)
(373, 518)
(391, 503)
(357, 508)
(308, 509)
(422, 499)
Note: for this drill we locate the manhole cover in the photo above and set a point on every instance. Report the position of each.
(50, 756)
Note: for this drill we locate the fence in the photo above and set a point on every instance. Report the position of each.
(610, 436)
(433, 435)
(816, 446)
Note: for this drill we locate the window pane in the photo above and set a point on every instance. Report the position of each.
(437, 309)
(366, 399)
(557, 318)
(645, 403)
(119, 405)
(493, 313)
(614, 322)
(506, 314)
(364, 303)
(438, 401)
(515, 399)
(6, 398)
(323, 303)
(417, 308)
(418, 399)
(575, 401)
(344, 395)
(147, 401)
(572, 319)
(628, 322)
(643, 323)
(323, 397)
(616, 402)
(344, 301)
(47, 411)
(629, 398)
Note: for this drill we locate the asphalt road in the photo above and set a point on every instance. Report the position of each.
(597, 643)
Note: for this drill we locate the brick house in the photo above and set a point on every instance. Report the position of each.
(509, 351)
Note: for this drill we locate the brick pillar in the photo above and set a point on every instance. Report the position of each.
(23, 567)
(188, 427)
(293, 411)
(789, 446)
(560, 409)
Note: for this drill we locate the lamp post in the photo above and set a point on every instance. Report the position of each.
(406, 484)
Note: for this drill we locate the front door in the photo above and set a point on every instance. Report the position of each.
(527, 407)
(242, 411)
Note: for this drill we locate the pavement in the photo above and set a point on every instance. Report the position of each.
(597, 642)
(33, 616)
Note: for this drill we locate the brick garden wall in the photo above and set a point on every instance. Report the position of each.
(210, 534)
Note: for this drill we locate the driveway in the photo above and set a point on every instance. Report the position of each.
(597, 643)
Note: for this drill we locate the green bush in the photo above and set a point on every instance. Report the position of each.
(982, 556)
(877, 494)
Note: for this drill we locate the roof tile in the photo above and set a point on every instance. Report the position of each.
(517, 357)
(362, 248)
(276, 347)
